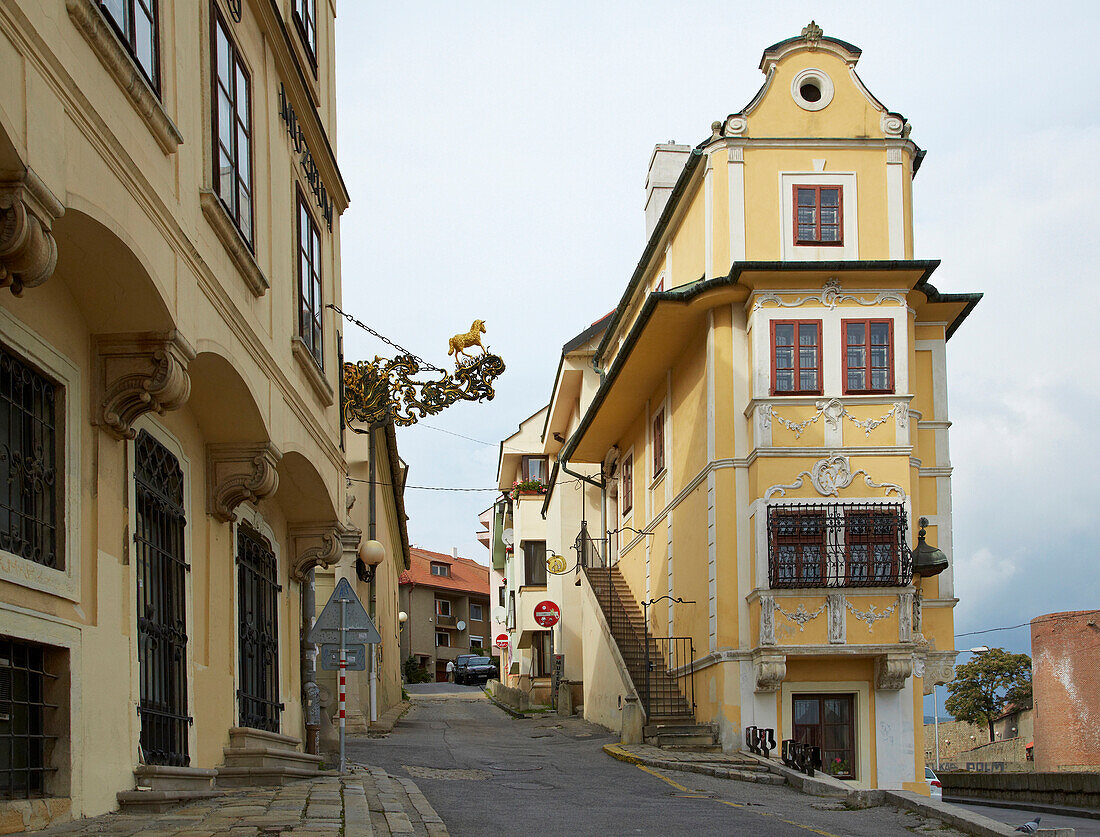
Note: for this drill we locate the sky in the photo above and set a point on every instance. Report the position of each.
(496, 156)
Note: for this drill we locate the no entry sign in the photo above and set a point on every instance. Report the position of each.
(547, 614)
(501, 641)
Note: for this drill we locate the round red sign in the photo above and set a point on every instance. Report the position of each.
(547, 614)
(501, 641)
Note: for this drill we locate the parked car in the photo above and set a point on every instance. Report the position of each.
(470, 669)
(934, 786)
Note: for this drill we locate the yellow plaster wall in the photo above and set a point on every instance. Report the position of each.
(762, 194)
(687, 245)
(689, 413)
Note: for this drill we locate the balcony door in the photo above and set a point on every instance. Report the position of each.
(828, 722)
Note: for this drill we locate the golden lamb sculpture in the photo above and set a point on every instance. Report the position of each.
(461, 342)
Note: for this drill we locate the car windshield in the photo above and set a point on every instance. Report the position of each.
(478, 661)
(928, 774)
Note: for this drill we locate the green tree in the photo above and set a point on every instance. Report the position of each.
(983, 686)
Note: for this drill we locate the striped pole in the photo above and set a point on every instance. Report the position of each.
(343, 676)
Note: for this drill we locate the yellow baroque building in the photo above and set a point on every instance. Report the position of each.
(769, 427)
(173, 464)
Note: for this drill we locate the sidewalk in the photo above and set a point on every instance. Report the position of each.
(367, 802)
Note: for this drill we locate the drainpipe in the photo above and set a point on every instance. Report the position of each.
(310, 690)
(372, 676)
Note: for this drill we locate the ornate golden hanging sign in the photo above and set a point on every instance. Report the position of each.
(384, 390)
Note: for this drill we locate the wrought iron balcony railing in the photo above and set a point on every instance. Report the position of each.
(838, 545)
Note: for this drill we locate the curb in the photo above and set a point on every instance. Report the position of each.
(1037, 807)
(617, 752)
(384, 725)
(966, 821)
(513, 712)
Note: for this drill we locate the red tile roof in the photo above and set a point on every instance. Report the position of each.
(466, 576)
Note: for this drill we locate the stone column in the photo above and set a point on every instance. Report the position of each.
(356, 680)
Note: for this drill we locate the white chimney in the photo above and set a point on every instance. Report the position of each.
(454, 552)
(665, 165)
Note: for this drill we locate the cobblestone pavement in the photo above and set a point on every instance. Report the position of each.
(366, 803)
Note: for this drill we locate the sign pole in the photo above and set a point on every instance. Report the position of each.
(343, 676)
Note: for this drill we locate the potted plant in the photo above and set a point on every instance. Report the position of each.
(527, 488)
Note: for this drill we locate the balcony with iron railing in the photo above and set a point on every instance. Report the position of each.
(813, 545)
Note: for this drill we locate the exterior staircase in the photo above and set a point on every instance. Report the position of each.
(670, 717)
(160, 787)
(258, 757)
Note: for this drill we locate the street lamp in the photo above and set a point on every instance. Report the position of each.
(981, 649)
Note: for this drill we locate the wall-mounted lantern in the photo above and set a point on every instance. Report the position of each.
(927, 560)
(371, 554)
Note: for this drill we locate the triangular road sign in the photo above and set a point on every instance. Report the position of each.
(358, 626)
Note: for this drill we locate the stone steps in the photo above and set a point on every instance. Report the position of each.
(160, 787)
(259, 757)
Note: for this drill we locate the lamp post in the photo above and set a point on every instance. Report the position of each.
(981, 649)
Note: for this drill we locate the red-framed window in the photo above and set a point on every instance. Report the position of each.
(658, 443)
(628, 484)
(232, 124)
(796, 357)
(819, 215)
(868, 356)
(797, 538)
(873, 540)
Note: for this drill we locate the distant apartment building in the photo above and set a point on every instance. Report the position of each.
(447, 601)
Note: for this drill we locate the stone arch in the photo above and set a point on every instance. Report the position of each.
(109, 274)
(304, 494)
(223, 401)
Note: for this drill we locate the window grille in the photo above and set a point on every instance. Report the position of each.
(838, 545)
(161, 597)
(258, 631)
(28, 463)
(24, 718)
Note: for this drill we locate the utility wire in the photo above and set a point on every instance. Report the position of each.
(1021, 625)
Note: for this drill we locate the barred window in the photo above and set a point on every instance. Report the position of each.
(136, 22)
(25, 716)
(29, 462)
(310, 301)
(232, 122)
(838, 545)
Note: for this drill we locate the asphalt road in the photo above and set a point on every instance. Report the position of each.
(487, 774)
(1085, 826)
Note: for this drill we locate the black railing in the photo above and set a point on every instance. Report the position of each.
(257, 631)
(655, 665)
(668, 660)
(838, 545)
(161, 602)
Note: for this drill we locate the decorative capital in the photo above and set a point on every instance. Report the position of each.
(28, 250)
(238, 474)
(770, 671)
(139, 373)
(939, 668)
(892, 670)
(316, 545)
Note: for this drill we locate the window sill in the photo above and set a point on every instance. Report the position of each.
(116, 60)
(657, 479)
(316, 377)
(231, 239)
